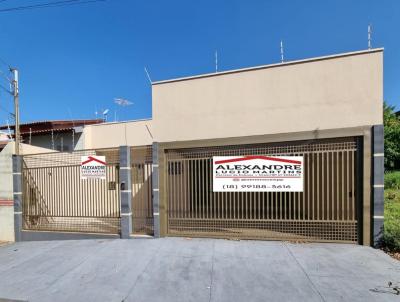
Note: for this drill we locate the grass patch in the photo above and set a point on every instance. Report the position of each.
(391, 235)
(392, 180)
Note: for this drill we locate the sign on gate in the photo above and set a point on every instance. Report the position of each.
(258, 173)
(93, 167)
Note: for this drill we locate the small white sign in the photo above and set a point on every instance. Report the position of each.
(93, 167)
(256, 173)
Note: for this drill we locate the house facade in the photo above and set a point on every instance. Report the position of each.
(325, 110)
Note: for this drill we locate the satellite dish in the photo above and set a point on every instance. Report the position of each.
(105, 111)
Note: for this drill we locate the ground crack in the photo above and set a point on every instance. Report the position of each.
(304, 272)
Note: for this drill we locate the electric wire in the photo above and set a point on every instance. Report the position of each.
(49, 5)
(6, 110)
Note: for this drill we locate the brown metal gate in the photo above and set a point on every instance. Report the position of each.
(56, 199)
(325, 211)
(142, 189)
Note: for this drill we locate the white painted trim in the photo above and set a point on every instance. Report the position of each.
(126, 191)
(156, 214)
(156, 190)
(125, 168)
(17, 193)
(378, 217)
(155, 165)
(17, 173)
(121, 122)
(379, 154)
(379, 186)
(141, 236)
(126, 214)
(17, 213)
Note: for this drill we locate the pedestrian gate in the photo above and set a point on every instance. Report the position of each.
(325, 211)
(142, 190)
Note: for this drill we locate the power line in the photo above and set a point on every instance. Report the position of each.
(5, 89)
(6, 110)
(49, 5)
(5, 63)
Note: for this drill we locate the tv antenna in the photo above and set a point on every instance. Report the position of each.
(216, 61)
(105, 112)
(369, 35)
(122, 102)
(281, 51)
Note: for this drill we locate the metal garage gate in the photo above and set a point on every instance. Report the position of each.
(325, 211)
(56, 199)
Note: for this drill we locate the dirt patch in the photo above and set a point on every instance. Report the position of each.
(395, 255)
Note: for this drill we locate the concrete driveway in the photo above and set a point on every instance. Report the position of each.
(178, 269)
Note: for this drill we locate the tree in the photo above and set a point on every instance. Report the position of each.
(392, 137)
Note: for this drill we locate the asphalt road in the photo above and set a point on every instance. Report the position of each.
(179, 269)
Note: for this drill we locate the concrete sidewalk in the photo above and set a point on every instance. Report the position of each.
(178, 269)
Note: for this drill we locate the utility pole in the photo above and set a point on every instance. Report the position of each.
(16, 108)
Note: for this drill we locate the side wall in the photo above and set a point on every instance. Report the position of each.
(6, 188)
(326, 93)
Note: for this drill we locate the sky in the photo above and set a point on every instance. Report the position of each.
(74, 60)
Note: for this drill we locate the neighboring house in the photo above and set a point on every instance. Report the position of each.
(60, 135)
(36, 137)
(4, 140)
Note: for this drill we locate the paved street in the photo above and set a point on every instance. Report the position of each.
(179, 269)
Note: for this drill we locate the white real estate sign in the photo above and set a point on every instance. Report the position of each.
(256, 173)
(93, 167)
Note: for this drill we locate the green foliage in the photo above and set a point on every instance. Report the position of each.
(392, 180)
(392, 137)
(391, 235)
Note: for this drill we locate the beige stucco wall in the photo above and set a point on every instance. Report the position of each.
(6, 223)
(132, 133)
(6, 187)
(326, 93)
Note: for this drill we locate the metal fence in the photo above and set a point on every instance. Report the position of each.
(142, 188)
(56, 199)
(324, 211)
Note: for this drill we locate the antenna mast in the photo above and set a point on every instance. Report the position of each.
(9, 129)
(52, 139)
(147, 74)
(281, 51)
(216, 61)
(369, 36)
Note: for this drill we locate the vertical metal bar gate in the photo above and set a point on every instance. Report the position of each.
(56, 199)
(325, 211)
(142, 190)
